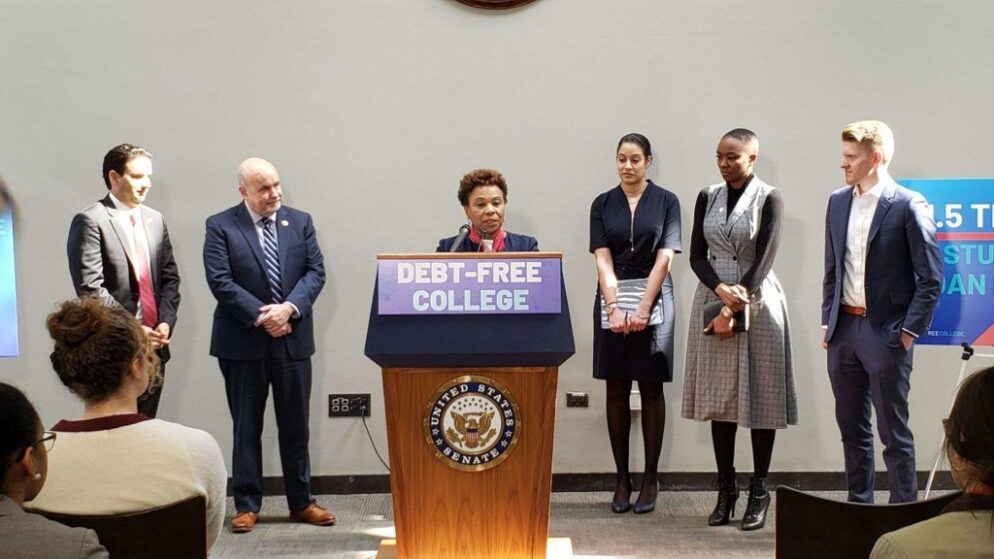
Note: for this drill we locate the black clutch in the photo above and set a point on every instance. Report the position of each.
(713, 309)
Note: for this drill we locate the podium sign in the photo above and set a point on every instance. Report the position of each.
(495, 285)
(470, 345)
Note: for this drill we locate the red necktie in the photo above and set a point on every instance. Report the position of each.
(150, 313)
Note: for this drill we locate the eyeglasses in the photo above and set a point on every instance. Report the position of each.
(48, 438)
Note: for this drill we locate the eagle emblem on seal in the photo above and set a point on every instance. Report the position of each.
(472, 429)
(472, 423)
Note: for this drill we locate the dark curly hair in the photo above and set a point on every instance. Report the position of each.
(477, 178)
(19, 426)
(969, 429)
(94, 347)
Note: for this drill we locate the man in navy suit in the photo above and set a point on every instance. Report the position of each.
(265, 269)
(882, 277)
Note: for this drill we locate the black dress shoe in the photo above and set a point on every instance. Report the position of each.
(756, 505)
(621, 507)
(643, 508)
(728, 493)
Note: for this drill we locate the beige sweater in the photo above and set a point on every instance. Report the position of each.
(959, 535)
(132, 468)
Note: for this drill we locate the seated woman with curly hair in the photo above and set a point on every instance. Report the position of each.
(113, 459)
(965, 528)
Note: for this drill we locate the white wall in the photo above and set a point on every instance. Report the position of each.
(373, 109)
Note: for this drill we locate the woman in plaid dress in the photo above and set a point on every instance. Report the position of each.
(739, 378)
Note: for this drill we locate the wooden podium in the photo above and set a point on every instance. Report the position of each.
(470, 399)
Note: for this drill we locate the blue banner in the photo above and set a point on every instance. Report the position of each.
(8, 289)
(963, 210)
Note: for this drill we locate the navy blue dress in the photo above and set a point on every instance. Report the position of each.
(512, 243)
(645, 355)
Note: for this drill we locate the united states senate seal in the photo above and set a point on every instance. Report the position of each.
(472, 423)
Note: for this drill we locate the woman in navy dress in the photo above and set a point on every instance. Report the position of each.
(634, 233)
(483, 195)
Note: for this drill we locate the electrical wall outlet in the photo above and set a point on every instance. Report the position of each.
(577, 400)
(348, 405)
(635, 400)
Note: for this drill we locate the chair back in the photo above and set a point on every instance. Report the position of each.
(812, 527)
(170, 531)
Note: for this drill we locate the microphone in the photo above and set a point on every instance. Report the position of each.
(486, 243)
(463, 233)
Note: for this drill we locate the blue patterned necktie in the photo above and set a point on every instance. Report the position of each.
(272, 252)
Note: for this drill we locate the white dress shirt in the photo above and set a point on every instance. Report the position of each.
(864, 206)
(259, 227)
(124, 216)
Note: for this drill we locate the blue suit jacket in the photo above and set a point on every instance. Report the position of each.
(234, 264)
(903, 264)
(513, 243)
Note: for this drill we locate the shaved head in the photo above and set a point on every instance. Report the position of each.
(259, 185)
(748, 138)
(252, 167)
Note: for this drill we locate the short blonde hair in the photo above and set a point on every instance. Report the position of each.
(873, 134)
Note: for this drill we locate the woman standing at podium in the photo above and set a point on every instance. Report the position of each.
(483, 195)
(634, 235)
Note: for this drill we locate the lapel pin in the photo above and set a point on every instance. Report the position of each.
(284, 223)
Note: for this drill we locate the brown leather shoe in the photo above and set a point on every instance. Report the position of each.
(315, 515)
(243, 522)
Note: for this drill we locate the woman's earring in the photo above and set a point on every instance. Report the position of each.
(37, 476)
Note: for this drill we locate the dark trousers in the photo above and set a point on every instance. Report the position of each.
(247, 385)
(864, 370)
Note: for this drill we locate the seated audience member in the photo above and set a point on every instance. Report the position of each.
(113, 459)
(965, 529)
(483, 195)
(24, 447)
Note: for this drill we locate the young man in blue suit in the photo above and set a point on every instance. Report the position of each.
(265, 269)
(882, 277)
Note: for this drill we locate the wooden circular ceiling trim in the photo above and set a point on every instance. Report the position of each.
(495, 4)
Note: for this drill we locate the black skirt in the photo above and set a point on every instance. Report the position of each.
(645, 355)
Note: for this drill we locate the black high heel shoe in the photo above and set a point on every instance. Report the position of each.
(756, 505)
(643, 508)
(621, 507)
(728, 493)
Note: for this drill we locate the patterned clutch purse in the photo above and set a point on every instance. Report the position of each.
(630, 294)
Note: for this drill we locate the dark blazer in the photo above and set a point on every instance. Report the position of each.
(31, 536)
(234, 264)
(100, 260)
(903, 264)
(513, 243)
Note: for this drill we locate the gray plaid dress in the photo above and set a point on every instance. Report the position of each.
(748, 379)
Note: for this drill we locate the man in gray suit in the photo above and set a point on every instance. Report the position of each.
(882, 276)
(119, 252)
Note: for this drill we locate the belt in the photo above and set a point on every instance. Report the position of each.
(855, 311)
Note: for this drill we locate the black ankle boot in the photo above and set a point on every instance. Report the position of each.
(728, 493)
(756, 505)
